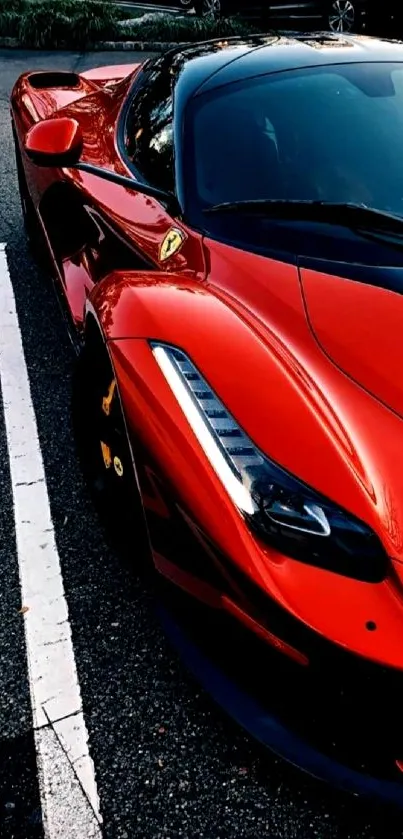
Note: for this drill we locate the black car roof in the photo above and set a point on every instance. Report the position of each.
(211, 64)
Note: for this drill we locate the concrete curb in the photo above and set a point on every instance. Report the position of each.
(104, 46)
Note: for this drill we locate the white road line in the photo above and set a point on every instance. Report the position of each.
(69, 796)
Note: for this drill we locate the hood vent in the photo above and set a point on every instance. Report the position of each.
(42, 81)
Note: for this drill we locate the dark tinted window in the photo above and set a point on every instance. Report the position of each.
(149, 127)
(332, 133)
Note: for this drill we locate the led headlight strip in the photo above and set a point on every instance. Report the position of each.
(224, 444)
(290, 516)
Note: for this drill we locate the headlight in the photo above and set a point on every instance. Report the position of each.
(290, 516)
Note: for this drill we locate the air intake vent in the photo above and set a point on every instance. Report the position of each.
(60, 80)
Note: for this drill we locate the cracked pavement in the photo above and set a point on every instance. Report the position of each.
(167, 763)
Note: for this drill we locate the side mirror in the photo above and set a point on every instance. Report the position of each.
(54, 142)
(58, 144)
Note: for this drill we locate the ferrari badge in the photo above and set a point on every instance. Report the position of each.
(118, 466)
(171, 243)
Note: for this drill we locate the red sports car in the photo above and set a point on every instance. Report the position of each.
(224, 225)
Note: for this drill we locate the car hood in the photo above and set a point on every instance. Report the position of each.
(336, 432)
(359, 325)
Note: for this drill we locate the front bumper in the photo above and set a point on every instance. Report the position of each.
(338, 719)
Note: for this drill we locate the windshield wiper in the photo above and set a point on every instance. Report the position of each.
(357, 216)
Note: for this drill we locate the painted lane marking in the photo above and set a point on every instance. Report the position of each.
(69, 796)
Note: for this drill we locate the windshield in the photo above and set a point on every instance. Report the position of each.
(330, 133)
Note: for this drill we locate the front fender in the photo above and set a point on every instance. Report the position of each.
(313, 421)
(198, 535)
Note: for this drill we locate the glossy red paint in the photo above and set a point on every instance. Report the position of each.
(52, 139)
(138, 218)
(36, 102)
(158, 422)
(290, 365)
(332, 304)
(242, 319)
(111, 74)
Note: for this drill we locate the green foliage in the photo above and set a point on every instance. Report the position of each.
(13, 6)
(9, 23)
(53, 24)
(186, 29)
(67, 7)
(58, 23)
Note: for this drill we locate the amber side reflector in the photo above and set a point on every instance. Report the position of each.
(264, 633)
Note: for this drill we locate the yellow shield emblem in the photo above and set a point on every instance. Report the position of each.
(171, 243)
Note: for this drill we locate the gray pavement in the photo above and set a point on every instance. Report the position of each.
(167, 763)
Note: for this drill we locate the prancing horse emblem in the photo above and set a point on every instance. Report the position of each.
(171, 243)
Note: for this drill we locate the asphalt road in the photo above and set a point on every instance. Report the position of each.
(167, 763)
